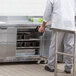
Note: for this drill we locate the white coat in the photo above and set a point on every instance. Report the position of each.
(61, 13)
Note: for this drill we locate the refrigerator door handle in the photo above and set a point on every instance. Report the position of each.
(3, 27)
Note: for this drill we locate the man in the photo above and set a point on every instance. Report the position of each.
(62, 14)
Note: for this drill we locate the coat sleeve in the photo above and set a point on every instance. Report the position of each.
(48, 11)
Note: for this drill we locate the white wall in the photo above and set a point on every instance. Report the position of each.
(22, 7)
(75, 7)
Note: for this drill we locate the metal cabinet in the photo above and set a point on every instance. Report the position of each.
(7, 42)
(28, 43)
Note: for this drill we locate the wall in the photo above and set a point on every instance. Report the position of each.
(22, 7)
(75, 7)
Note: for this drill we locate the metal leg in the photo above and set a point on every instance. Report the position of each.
(74, 54)
(56, 48)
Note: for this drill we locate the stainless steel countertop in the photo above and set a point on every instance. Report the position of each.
(22, 23)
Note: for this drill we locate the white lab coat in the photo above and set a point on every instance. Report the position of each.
(61, 13)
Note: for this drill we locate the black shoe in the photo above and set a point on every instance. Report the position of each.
(48, 69)
(68, 72)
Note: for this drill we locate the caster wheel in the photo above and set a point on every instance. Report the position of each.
(38, 62)
(45, 62)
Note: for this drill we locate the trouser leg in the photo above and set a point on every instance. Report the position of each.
(52, 51)
(68, 48)
(51, 58)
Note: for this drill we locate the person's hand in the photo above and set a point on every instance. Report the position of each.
(41, 29)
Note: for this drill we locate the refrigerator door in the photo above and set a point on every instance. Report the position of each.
(3, 34)
(7, 42)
